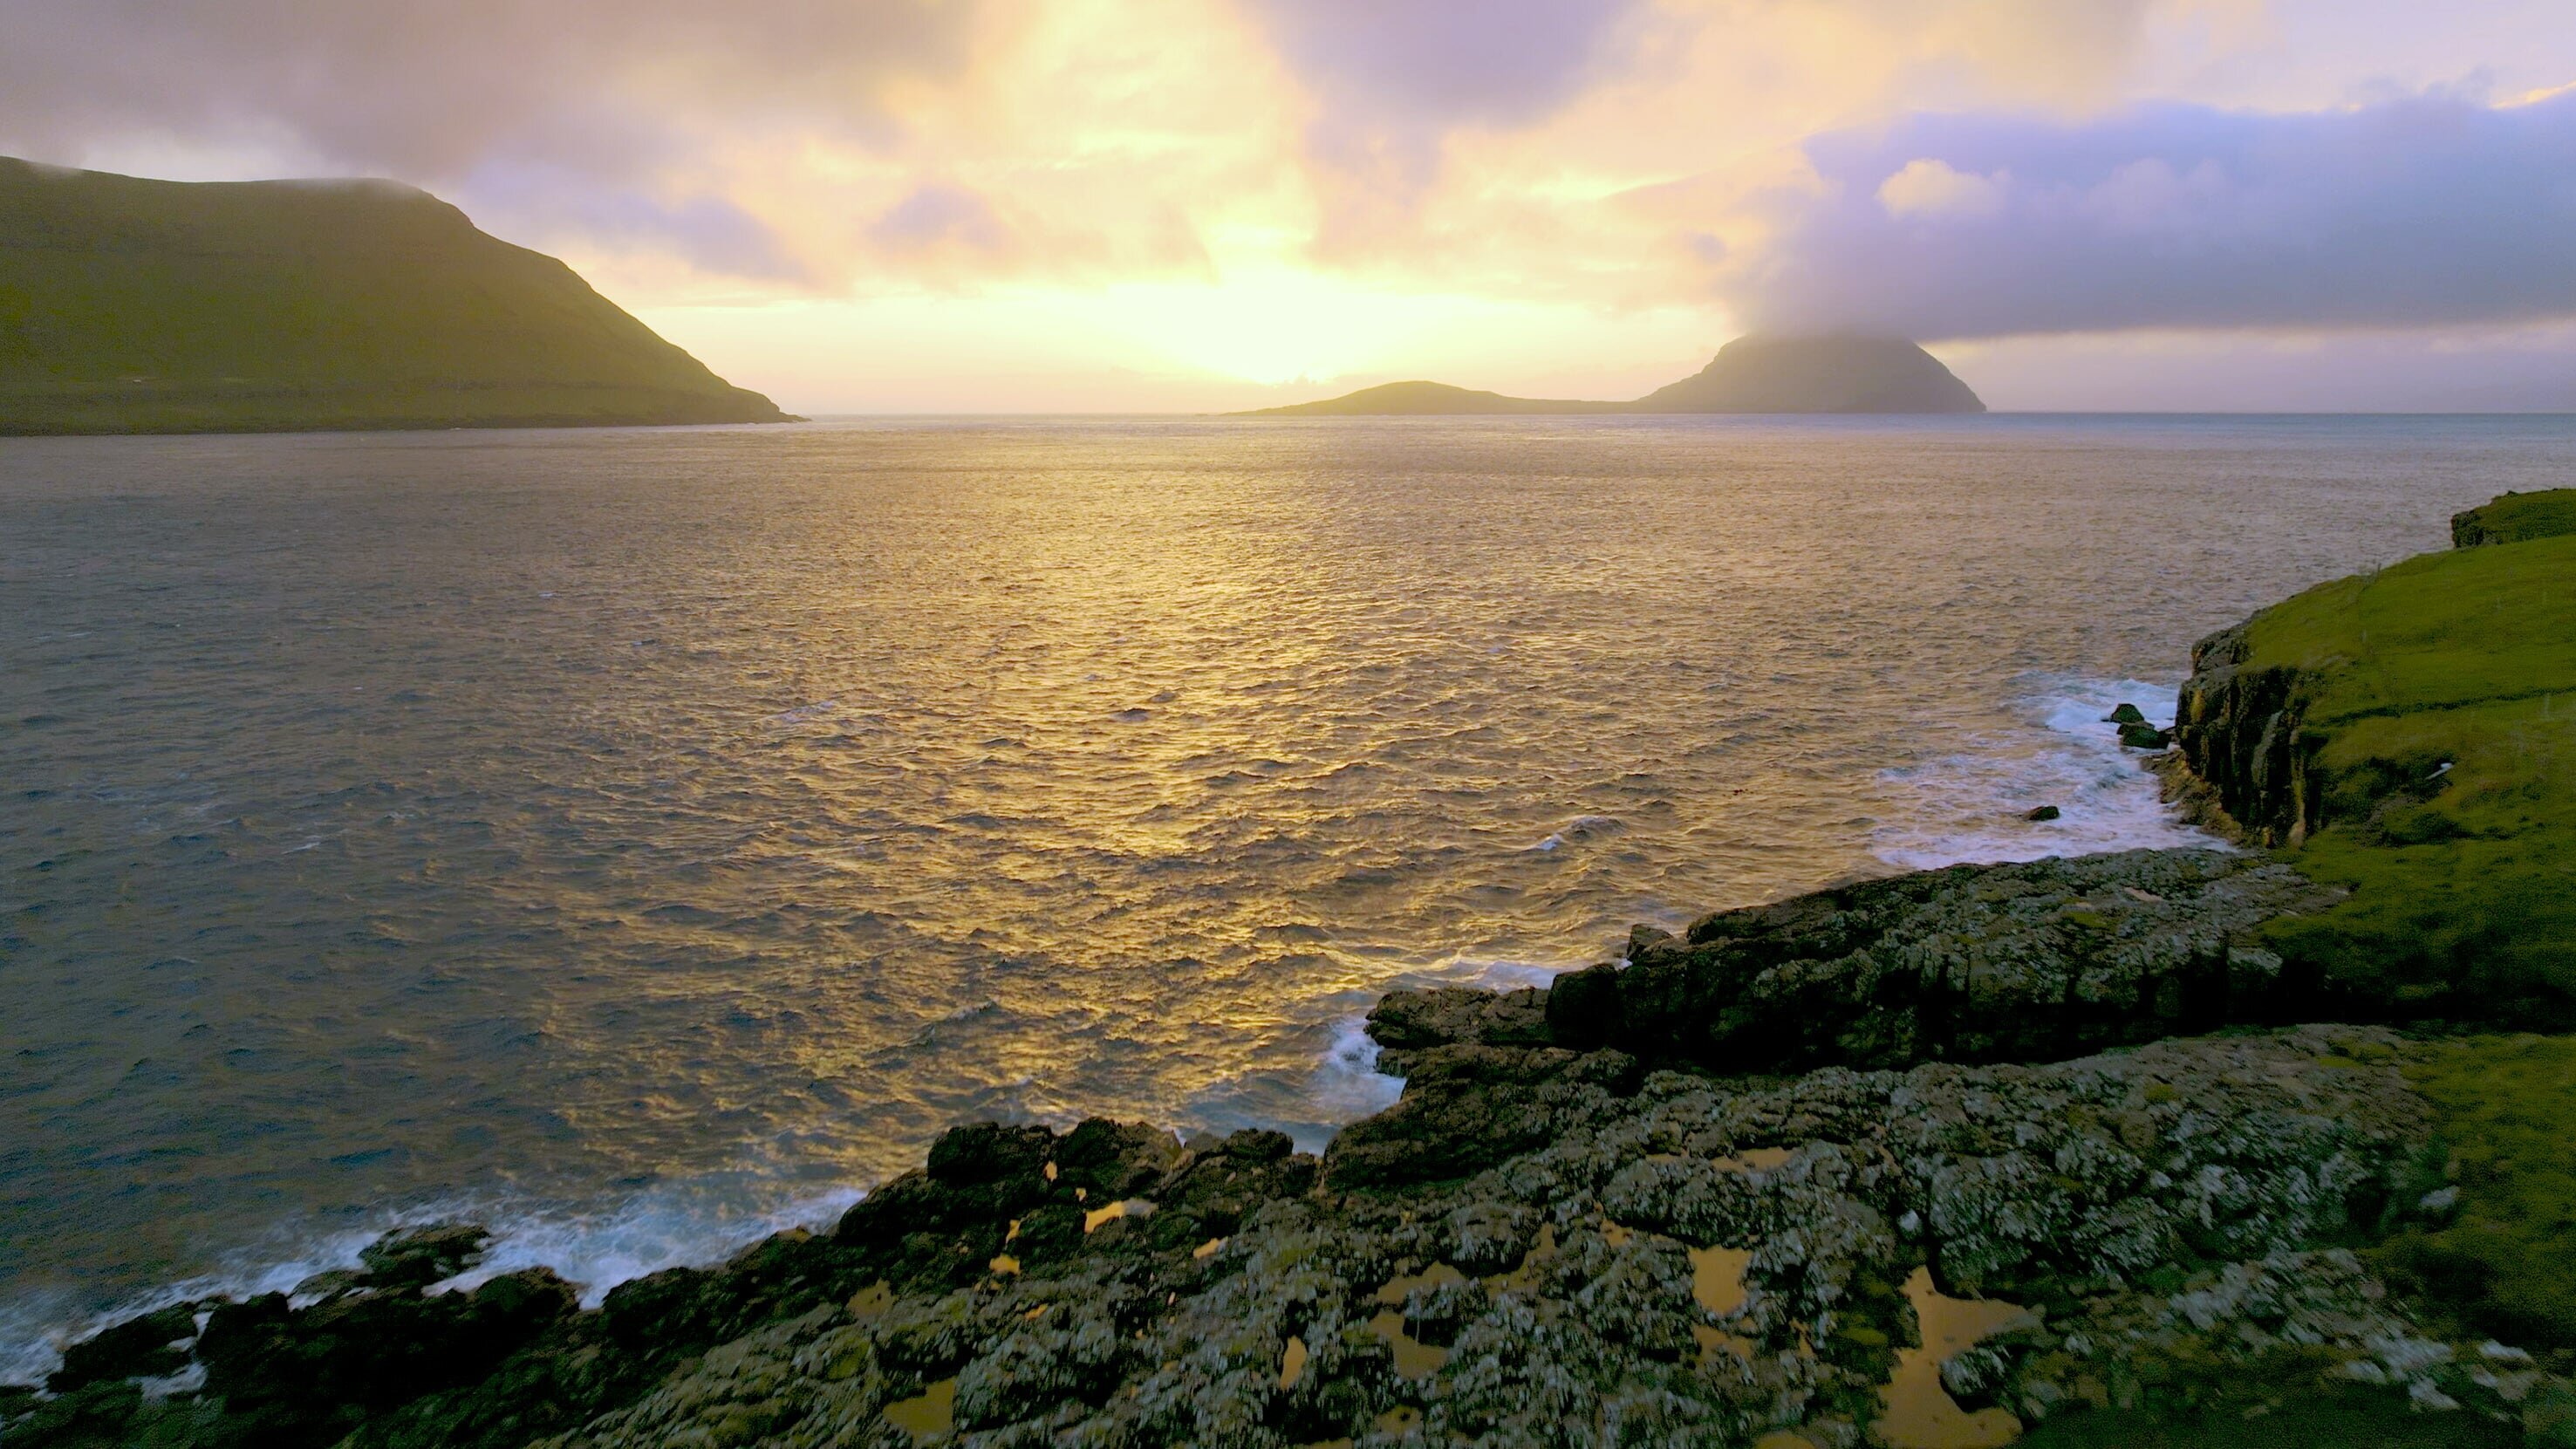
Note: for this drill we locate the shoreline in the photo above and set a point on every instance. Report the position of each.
(1949, 1156)
(2060, 709)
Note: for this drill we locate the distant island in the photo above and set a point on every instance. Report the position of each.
(136, 306)
(1754, 374)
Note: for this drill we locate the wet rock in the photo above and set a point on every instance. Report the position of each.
(418, 1257)
(1645, 939)
(1466, 1108)
(2034, 960)
(943, 1224)
(1114, 1159)
(2041, 812)
(1583, 1007)
(1408, 1019)
(2126, 714)
(1653, 1258)
(987, 1152)
(97, 1416)
(150, 1345)
(2144, 737)
(313, 1376)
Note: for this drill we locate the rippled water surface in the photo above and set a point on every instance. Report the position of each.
(637, 838)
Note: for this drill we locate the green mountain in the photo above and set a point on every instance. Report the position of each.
(1817, 375)
(1748, 375)
(134, 306)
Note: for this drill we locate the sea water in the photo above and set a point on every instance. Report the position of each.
(639, 841)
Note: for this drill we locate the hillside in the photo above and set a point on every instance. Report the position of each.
(1748, 375)
(1427, 399)
(129, 305)
(1817, 375)
(2411, 733)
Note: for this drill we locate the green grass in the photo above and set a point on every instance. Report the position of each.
(2517, 517)
(2464, 883)
(154, 306)
(2506, 1123)
(2464, 879)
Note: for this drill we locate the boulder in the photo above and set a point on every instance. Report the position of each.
(2041, 812)
(1404, 1019)
(149, 1345)
(418, 1257)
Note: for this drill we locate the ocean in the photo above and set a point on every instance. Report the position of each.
(638, 841)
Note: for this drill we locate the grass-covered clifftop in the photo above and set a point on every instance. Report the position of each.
(129, 305)
(2411, 734)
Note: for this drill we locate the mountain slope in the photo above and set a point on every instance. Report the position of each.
(129, 305)
(1817, 375)
(1748, 375)
(1413, 399)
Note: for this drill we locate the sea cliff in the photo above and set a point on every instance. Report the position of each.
(2172, 1147)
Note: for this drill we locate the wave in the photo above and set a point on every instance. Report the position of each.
(1972, 806)
(690, 1222)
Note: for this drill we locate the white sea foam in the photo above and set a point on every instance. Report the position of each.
(1969, 806)
(688, 1223)
(1346, 1084)
(1580, 828)
(693, 1222)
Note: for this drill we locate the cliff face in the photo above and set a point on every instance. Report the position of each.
(2239, 727)
(152, 306)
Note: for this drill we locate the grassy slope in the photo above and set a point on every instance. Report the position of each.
(2516, 517)
(2464, 903)
(2506, 1265)
(2464, 883)
(134, 306)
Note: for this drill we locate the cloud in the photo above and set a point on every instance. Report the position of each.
(2427, 211)
(938, 216)
(624, 123)
(431, 92)
(1444, 62)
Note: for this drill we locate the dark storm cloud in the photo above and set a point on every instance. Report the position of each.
(2425, 211)
(431, 92)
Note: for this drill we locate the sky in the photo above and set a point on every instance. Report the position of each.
(1187, 205)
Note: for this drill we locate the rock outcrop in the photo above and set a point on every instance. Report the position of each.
(2239, 729)
(1653, 1258)
(2049, 958)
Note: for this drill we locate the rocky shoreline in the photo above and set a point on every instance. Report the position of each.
(2051, 1150)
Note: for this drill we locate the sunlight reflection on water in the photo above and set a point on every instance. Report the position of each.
(704, 819)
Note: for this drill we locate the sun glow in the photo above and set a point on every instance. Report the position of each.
(1273, 326)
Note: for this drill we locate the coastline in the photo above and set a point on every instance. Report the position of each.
(1980, 1085)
